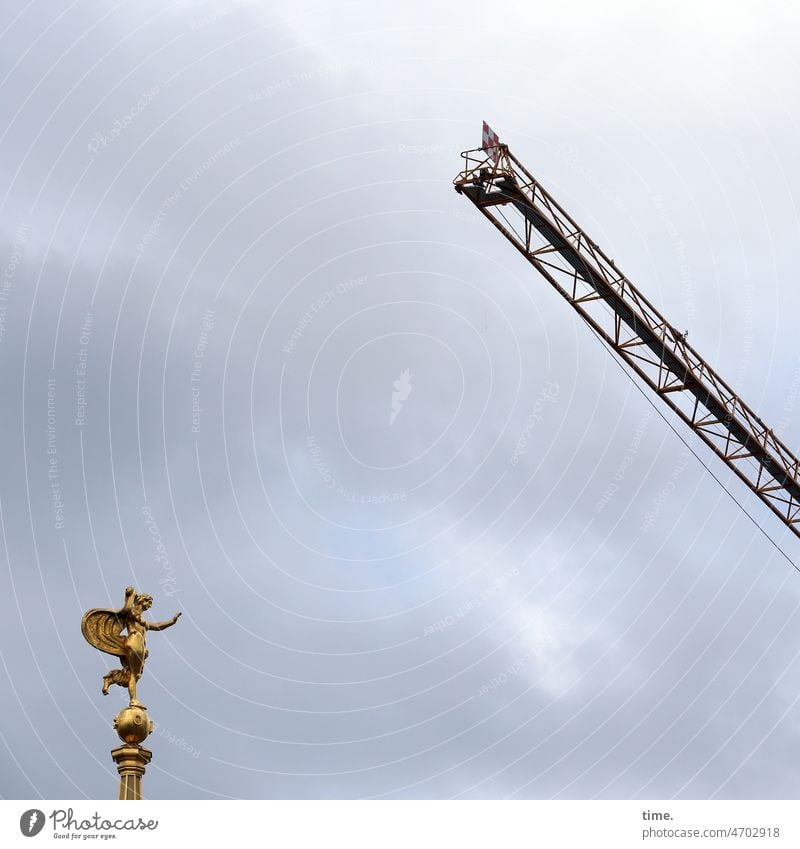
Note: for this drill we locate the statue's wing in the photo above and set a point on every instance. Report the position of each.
(103, 629)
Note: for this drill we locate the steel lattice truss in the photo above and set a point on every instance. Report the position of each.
(535, 223)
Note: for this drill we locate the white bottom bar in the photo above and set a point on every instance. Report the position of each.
(404, 824)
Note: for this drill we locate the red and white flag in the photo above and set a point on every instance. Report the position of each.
(490, 141)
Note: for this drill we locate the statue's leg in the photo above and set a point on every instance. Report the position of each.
(107, 682)
(135, 663)
(132, 689)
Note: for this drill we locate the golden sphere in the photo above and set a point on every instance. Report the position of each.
(133, 724)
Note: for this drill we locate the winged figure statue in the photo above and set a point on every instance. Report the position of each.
(103, 628)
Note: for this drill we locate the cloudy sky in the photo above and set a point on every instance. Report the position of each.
(259, 360)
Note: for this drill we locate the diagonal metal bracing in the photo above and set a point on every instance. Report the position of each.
(534, 222)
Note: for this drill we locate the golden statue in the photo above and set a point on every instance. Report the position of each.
(103, 629)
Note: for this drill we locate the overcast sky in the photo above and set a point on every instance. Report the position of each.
(261, 361)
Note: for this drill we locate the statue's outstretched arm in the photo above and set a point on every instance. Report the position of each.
(160, 626)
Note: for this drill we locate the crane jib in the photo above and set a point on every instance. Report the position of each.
(636, 331)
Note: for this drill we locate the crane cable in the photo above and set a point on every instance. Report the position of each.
(689, 447)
